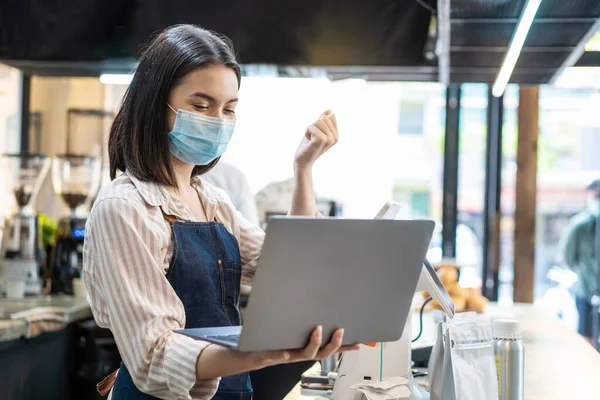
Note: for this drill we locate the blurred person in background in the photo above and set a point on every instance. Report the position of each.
(578, 248)
(233, 181)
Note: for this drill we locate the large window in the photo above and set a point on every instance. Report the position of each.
(471, 183)
(567, 160)
(411, 117)
(417, 153)
(507, 206)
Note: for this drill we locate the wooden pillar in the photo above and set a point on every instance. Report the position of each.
(526, 191)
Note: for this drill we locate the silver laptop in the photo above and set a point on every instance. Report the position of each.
(359, 275)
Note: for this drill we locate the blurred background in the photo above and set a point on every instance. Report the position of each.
(424, 117)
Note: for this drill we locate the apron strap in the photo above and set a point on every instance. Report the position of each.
(107, 383)
(170, 218)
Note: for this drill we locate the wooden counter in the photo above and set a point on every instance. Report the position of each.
(559, 364)
(76, 309)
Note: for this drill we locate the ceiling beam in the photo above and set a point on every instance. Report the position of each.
(389, 77)
(73, 68)
(577, 52)
(378, 69)
(443, 40)
(427, 74)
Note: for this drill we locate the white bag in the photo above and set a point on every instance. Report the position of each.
(437, 352)
(436, 367)
(473, 366)
(442, 383)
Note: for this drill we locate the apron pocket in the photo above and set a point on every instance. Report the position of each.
(231, 276)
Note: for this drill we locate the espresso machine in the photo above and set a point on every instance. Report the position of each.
(21, 252)
(76, 178)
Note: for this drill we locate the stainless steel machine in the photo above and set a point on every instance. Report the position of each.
(22, 252)
(76, 179)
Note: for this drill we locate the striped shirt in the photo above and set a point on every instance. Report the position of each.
(126, 254)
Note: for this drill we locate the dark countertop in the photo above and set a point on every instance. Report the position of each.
(76, 309)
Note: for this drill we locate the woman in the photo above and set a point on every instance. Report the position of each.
(165, 250)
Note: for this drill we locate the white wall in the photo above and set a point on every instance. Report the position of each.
(53, 97)
(10, 127)
(113, 96)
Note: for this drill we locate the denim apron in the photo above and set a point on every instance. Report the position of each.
(205, 272)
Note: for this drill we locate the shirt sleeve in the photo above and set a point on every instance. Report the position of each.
(142, 307)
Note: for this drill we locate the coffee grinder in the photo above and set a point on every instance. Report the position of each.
(76, 178)
(22, 252)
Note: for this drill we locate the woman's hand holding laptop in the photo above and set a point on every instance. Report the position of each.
(215, 357)
(312, 351)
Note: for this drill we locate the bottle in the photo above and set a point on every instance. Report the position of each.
(510, 359)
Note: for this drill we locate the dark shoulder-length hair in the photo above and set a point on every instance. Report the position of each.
(138, 142)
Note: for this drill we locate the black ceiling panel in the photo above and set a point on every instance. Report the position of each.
(309, 32)
(64, 30)
(481, 58)
(467, 34)
(62, 37)
(563, 34)
(514, 8)
(500, 34)
(568, 9)
(589, 59)
(486, 8)
(481, 31)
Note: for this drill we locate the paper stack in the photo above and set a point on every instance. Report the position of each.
(388, 389)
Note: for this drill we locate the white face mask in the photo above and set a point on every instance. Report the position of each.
(594, 206)
(197, 139)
